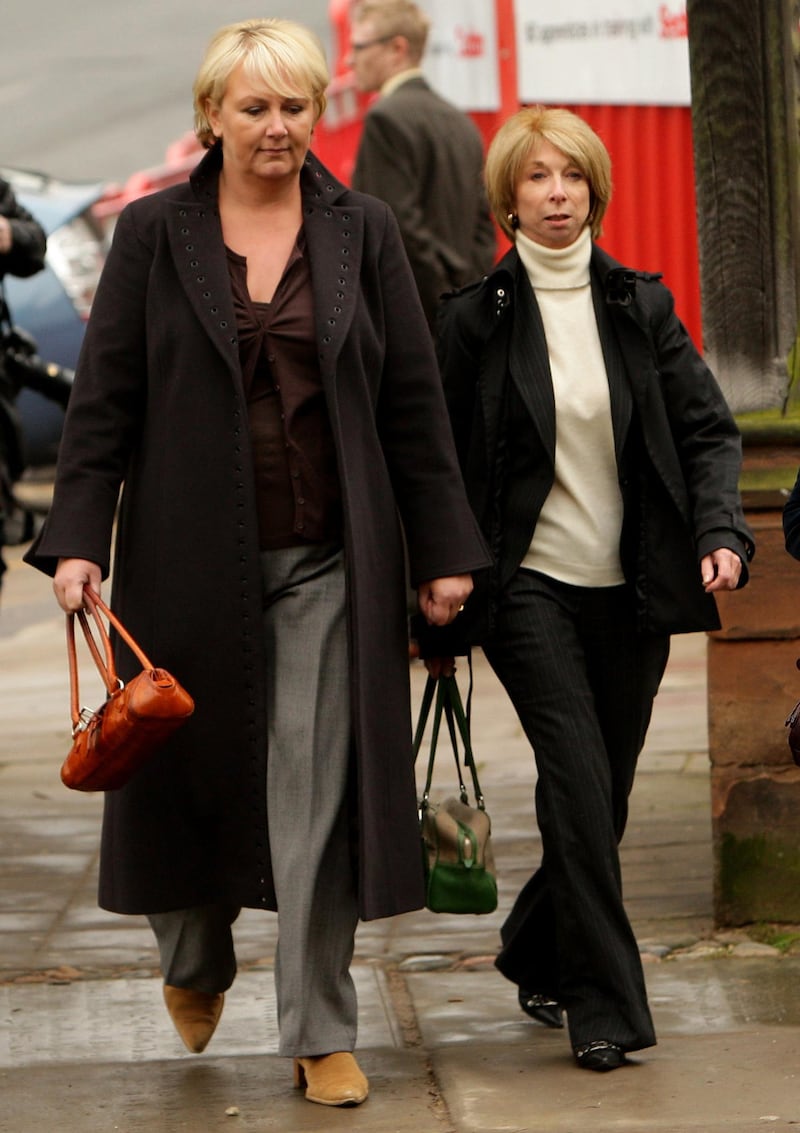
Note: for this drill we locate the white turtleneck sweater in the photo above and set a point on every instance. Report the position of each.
(577, 535)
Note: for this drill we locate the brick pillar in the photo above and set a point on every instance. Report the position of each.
(755, 787)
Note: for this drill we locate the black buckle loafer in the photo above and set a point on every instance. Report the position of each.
(541, 1008)
(599, 1055)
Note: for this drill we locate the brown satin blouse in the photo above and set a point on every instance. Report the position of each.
(294, 461)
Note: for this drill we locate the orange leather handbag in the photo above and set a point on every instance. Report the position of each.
(109, 745)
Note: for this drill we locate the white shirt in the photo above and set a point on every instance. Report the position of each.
(577, 536)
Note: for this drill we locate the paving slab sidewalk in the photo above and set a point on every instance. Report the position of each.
(85, 1042)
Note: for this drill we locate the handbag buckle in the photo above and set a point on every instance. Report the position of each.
(85, 717)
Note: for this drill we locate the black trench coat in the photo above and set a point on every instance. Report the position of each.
(158, 403)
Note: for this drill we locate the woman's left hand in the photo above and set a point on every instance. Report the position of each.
(720, 570)
(441, 599)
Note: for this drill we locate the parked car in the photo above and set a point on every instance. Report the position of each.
(53, 305)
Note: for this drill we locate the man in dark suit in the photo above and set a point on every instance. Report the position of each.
(419, 153)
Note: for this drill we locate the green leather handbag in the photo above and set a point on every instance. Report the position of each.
(456, 837)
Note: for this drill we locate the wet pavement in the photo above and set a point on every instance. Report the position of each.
(85, 1042)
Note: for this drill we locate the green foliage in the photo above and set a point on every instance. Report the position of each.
(759, 879)
(784, 937)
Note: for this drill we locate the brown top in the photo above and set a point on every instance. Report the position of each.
(294, 462)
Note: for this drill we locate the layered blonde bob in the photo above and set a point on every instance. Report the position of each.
(511, 148)
(285, 56)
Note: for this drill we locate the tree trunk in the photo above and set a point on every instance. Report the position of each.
(745, 141)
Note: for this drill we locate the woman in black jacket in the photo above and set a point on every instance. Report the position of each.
(602, 463)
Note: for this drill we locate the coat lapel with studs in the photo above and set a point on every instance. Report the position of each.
(334, 238)
(198, 251)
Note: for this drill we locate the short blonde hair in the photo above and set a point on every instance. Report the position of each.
(512, 145)
(286, 56)
(396, 17)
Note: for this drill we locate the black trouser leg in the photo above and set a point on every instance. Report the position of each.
(582, 680)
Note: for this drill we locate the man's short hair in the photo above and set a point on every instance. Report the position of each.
(396, 17)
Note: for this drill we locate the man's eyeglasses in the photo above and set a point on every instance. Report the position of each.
(356, 47)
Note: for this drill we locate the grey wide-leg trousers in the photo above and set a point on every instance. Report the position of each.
(310, 742)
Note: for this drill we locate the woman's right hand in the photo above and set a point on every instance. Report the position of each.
(69, 580)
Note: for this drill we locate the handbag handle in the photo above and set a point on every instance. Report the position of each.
(448, 700)
(104, 661)
(456, 709)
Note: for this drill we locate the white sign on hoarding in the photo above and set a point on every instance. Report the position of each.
(461, 57)
(609, 52)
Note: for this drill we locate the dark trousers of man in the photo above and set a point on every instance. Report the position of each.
(582, 680)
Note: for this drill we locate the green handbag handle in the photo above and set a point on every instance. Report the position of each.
(456, 709)
(448, 700)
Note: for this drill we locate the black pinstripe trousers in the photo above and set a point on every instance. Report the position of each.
(582, 680)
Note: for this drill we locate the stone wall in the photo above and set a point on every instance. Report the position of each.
(753, 683)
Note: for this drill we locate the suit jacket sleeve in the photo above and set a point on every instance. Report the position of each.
(385, 168)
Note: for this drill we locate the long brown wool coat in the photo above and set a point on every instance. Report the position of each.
(158, 404)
